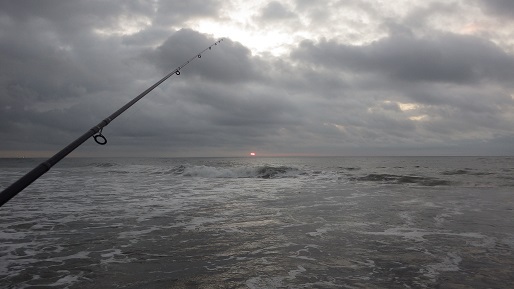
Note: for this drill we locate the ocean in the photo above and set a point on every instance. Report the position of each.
(313, 222)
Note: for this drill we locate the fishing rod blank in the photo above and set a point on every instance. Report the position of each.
(95, 132)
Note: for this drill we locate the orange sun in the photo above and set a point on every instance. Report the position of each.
(252, 154)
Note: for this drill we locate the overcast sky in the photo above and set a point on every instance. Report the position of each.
(298, 77)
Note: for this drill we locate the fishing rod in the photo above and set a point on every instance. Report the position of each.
(95, 132)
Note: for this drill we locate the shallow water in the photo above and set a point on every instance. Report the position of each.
(260, 223)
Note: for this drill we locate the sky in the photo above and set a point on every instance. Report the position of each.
(296, 77)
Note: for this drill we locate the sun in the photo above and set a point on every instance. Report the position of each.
(252, 154)
(240, 22)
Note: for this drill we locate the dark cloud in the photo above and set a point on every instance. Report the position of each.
(441, 58)
(69, 19)
(233, 63)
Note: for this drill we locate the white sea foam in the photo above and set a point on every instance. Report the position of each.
(413, 234)
(262, 282)
(237, 172)
(417, 235)
(213, 172)
(66, 280)
(449, 263)
(320, 231)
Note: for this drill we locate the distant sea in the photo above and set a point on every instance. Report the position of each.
(332, 222)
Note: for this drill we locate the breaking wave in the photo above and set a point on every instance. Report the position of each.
(403, 179)
(104, 164)
(264, 172)
(465, 171)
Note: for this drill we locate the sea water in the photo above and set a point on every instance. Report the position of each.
(348, 222)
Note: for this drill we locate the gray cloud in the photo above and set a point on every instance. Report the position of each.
(176, 11)
(413, 90)
(70, 19)
(441, 58)
(276, 11)
(447, 79)
(233, 63)
(499, 7)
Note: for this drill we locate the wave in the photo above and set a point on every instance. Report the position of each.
(350, 168)
(103, 165)
(264, 172)
(465, 171)
(403, 179)
(456, 172)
